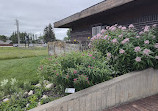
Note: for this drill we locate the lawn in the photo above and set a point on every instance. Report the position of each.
(15, 52)
(20, 63)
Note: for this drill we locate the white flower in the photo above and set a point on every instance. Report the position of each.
(5, 100)
(4, 82)
(13, 81)
(44, 96)
(49, 86)
(26, 94)
(27, 105)
(30, 93)
(38, 85)
(46, 82)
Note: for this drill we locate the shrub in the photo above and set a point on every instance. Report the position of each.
(126, 49)
(76, 70)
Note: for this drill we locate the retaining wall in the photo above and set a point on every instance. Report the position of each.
(126, 88)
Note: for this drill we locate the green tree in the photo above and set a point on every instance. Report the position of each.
(14, 38)
(68, 35)
(3, 38)
(49, 35)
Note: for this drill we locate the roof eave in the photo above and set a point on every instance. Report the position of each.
(100, 7)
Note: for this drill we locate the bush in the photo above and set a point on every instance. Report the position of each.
(126, 49)
(76, 70)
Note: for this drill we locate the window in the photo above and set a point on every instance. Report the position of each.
(96, 30)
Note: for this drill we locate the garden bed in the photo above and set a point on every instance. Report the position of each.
(115, 51)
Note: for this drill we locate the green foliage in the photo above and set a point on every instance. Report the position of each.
(68, 35)
(127, 49)
(49, 35)
(78, 70)
(3, 38)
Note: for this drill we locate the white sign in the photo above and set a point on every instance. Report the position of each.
(70, 90)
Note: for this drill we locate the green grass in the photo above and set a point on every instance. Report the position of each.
(15, 52)
(20, 63)
(24, 69)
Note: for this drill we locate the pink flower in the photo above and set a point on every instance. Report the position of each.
(138, 59)
(146, 42)
(112, 28)
(123, 28)
(120, 27)
(155, 25)
(122, 51)
(131, 26)
(114, 40)
(57, 74)
(90, 55)
(146, 29)
(140, 33)
(156, 57)
(146, 51)
(137, 36)
(75, 79)
(103, 31)
(99, 35)
(93, 57)
(125, 40)
(41, 67)
(137, 49)
(156, 45)
(89, 66)
(106, 36)
(89, 45)
(75, 71)
(120, 36)
(87, 78)
(109, 38)
(107, 27)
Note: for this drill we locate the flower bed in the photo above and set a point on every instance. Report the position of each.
(127, 49)
(116, 50)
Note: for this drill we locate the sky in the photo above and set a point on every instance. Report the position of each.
(35, 15)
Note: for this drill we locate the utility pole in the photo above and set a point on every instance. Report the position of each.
(17, 24)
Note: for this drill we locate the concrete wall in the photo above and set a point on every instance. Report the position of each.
(62, 47)
(126, 88)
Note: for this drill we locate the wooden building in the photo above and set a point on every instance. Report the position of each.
(90, 21)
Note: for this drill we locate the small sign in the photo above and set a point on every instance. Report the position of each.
(70, 90)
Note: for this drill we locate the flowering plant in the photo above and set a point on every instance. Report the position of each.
(76, 70)
(126, 49)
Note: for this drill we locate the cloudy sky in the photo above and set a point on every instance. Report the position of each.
(34, 15)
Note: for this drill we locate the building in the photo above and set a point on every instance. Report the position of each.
(90, 21)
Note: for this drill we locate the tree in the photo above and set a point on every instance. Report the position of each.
(3, 38)
(14, 38)
(49, 35)
(68, 35)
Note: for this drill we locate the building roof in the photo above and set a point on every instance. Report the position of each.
(146, 104)
(7, 42)
(100, 7)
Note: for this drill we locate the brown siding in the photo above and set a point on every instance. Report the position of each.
(137, 14)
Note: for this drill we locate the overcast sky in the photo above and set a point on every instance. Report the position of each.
(34, 15)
